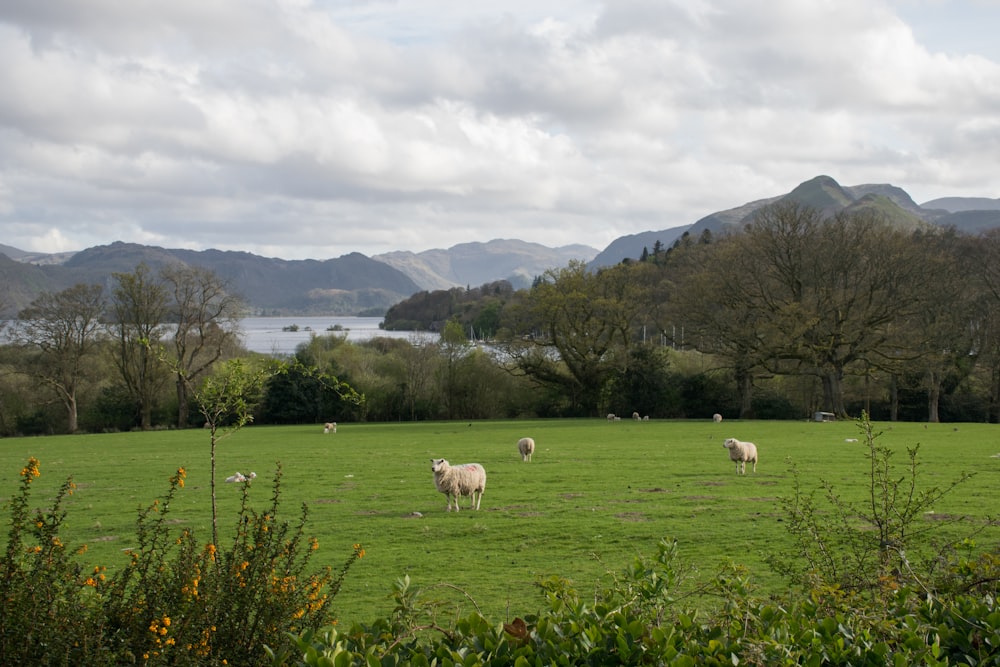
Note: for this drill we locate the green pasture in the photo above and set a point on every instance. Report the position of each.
(595, 495)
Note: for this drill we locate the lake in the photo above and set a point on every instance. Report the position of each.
(270, 335)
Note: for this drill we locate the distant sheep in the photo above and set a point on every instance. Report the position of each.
(717, 418)
(240, 477)
(611, 416)
(467, 479)
(635, 416)
(527, 447)
(742, 453)
(330, 427)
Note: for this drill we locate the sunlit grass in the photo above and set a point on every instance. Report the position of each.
(595, 494)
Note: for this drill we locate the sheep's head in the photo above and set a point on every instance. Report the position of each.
(439, 465)
(729, 443)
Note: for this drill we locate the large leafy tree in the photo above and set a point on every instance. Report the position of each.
(63, 330)
(574, 327)
(830, 292)
(139, 307)
(207, 315)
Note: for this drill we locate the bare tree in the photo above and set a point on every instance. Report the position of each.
(207, 316)
(63, 328)
(138, 310)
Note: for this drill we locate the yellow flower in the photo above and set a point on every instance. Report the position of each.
(30, 471)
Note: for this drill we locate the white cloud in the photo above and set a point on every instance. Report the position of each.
(313, 129)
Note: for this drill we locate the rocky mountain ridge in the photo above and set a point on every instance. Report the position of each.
(354, 284)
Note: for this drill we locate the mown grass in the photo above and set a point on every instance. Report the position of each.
(596, 494)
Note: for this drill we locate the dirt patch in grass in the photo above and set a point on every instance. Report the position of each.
(327, 501)
(631, 516)
(713, 483)
(653, 490)
(570, 496)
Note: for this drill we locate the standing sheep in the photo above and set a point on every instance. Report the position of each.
(466, 479)
(717, 418)
(741, 452)
(330, 427)
(527, 447)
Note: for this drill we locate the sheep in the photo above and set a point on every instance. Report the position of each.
(611, 416)
(527, 447)
(240, 477)
(635, 416)
(741, 452)
(466, 479)
(717, 418)
(330, 427)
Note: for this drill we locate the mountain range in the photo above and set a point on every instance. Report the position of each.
(356, 284)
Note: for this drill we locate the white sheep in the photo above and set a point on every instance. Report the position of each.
(717, 418)
(741, 452)
(635, 416)
(527, 447)
(466, 479)
(240, 477)
(611, 416)
(330, 427)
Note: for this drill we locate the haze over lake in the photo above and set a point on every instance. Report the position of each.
(273, 335)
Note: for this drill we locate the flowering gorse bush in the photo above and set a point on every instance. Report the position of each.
(177, 601)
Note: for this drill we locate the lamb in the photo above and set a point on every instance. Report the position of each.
(330, 427)
(741, 452)
(717, 418)
(527, 447)
(466, 479)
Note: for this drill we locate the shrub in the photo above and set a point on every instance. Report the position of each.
(177, 600)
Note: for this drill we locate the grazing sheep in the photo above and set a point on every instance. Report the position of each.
(717, 418)
(330, 427)
(635, 416)
(741, 452)
(466, 479)
(527, 447)
(611, 416)
(240, 477)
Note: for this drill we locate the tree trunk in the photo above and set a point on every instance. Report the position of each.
(72, 423)
(182, 403)
(893, 399)
(933, 397)
(833, 393)
(744, 383)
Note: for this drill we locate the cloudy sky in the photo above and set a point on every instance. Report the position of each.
(314, 128)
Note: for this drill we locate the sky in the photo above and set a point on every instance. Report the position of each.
(310, 129)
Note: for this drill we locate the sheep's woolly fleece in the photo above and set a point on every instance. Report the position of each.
(466, 479)
(526, 446)
(742, 453)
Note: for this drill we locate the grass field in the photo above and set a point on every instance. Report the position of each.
(595, 495)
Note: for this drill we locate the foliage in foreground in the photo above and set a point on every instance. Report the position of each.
(641, 620)
(177, 602)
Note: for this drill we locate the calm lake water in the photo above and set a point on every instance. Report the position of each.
(268, 335)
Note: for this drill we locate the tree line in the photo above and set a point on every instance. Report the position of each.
(795, 312)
